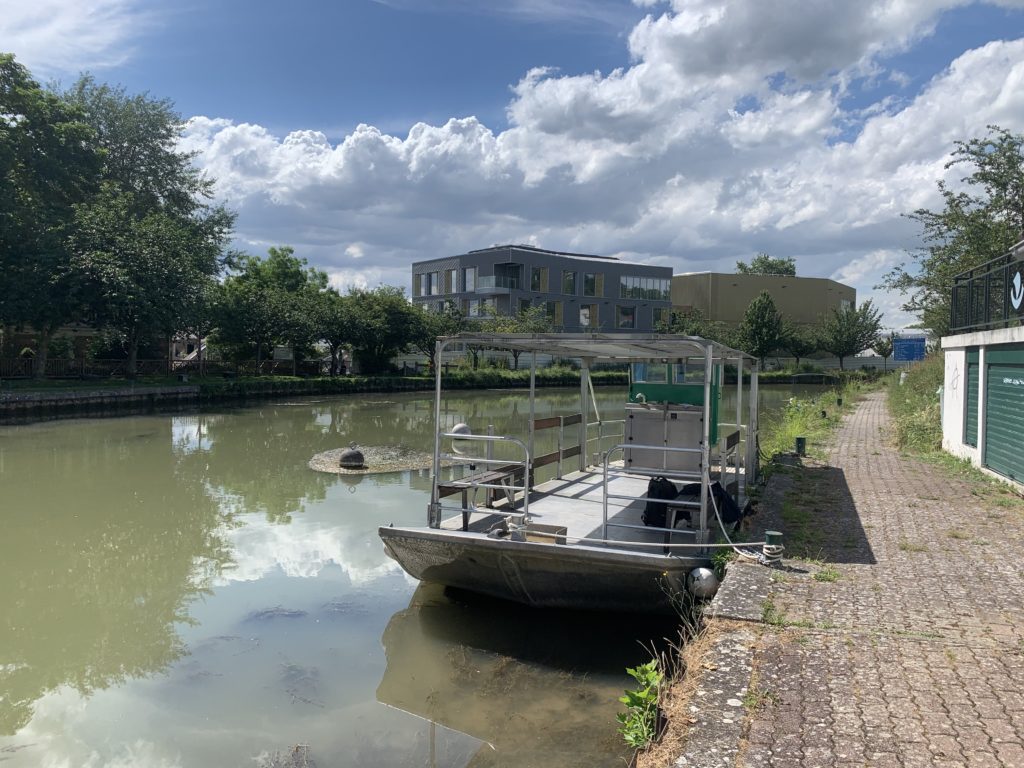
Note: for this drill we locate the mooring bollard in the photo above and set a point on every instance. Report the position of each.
(801, 446)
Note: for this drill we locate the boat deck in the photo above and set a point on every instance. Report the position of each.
(574, 502)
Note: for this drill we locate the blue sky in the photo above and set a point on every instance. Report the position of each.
(684, 132)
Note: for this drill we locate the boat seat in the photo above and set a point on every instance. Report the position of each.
(507, 476)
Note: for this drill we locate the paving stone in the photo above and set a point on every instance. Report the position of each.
(915, 655)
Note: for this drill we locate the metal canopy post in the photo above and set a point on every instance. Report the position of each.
(533, 399)
(741, 490)
(434, 510)
(584, 409)
(705, 447)
(752, 448)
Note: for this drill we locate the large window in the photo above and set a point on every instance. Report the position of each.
(593, 284)
(452, 281)
(469, 279)
(554, 310)
(625, 317)
(651, 288)
(539, 279)
(588, 315)
(569, 283)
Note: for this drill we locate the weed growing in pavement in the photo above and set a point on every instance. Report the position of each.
(911, 546)
(757, 698)
(827, 573)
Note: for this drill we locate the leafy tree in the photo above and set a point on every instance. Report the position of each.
(763, 264)
(136, 273)
(429, 324)
(799, 341)
(382, 327)
(883, 347)
(150, 237)
(335, 324)
(975, 225)
(692, 322)
(762, 330)
(850, 330)
(48, 163)
(199, 315)
(272, 301)
(534, 319)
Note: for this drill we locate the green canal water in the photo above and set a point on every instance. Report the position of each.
(182, 590)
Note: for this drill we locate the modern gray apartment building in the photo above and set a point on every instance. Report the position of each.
(579, 292)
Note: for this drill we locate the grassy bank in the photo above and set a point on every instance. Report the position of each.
(813, 418)
(915, 408)
(219, 388)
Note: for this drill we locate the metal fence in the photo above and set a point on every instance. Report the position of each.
(989, 296)
(24, 367)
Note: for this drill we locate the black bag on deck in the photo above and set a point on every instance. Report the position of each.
(654, 512)
(727, 507)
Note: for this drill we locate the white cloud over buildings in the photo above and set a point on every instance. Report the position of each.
(737, 127)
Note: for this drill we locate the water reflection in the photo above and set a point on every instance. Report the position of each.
(99, 562)
(183, 588)
(537, 688)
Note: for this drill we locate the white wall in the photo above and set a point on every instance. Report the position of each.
(953, 406)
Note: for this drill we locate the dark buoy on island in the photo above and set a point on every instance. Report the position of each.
(352, 458)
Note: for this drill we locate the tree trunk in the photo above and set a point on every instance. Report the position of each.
(133, 354)
(840, 362)
(199, 355)
(39, 361)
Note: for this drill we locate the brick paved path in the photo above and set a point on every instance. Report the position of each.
(915, 655)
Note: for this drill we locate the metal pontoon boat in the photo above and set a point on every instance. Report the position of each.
(578, 540)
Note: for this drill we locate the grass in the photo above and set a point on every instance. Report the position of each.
(827, 573)
(911, 546)
(917, 429)
(802, 417)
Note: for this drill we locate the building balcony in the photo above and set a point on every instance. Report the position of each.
(493, 284)
(989, 296)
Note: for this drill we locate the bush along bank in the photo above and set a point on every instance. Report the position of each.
(915, 407)
(91, 397)
(812, 418)
(484, 378)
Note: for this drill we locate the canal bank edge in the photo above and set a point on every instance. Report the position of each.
(16, 404)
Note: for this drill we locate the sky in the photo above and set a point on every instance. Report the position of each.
(368, 134)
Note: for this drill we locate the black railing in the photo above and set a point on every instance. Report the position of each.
(991, 295)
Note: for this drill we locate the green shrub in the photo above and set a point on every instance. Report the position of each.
(916, 406)
(639, 723)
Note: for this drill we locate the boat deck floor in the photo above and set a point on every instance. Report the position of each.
(574, 502)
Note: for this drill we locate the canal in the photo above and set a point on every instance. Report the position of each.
(182, 590)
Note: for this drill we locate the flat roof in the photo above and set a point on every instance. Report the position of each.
(604, 346)
(535, 249)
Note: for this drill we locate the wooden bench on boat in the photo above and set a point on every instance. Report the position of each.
(507, 476)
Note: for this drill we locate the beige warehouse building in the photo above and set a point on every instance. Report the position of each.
(723, 297)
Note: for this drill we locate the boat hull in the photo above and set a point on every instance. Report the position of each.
(542, 575)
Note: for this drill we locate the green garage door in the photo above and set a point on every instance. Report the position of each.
(971, 427)
(1004, 412)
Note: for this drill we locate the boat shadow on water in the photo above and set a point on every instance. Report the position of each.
(538, 687)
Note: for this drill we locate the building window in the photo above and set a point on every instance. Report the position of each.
(650, 288)
(453, 281)
(469, 279)
(625, 317)
(593, 284)
(588, 315)
(524, 305)
(473, 308)
(569, 283)
(554, 310)
(539, 279)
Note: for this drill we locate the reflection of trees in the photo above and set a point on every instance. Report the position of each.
(105, 545)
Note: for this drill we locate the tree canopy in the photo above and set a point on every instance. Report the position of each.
(850, 330)
(49, 162)
(763, 329)
(979, 221)
(763, 264)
